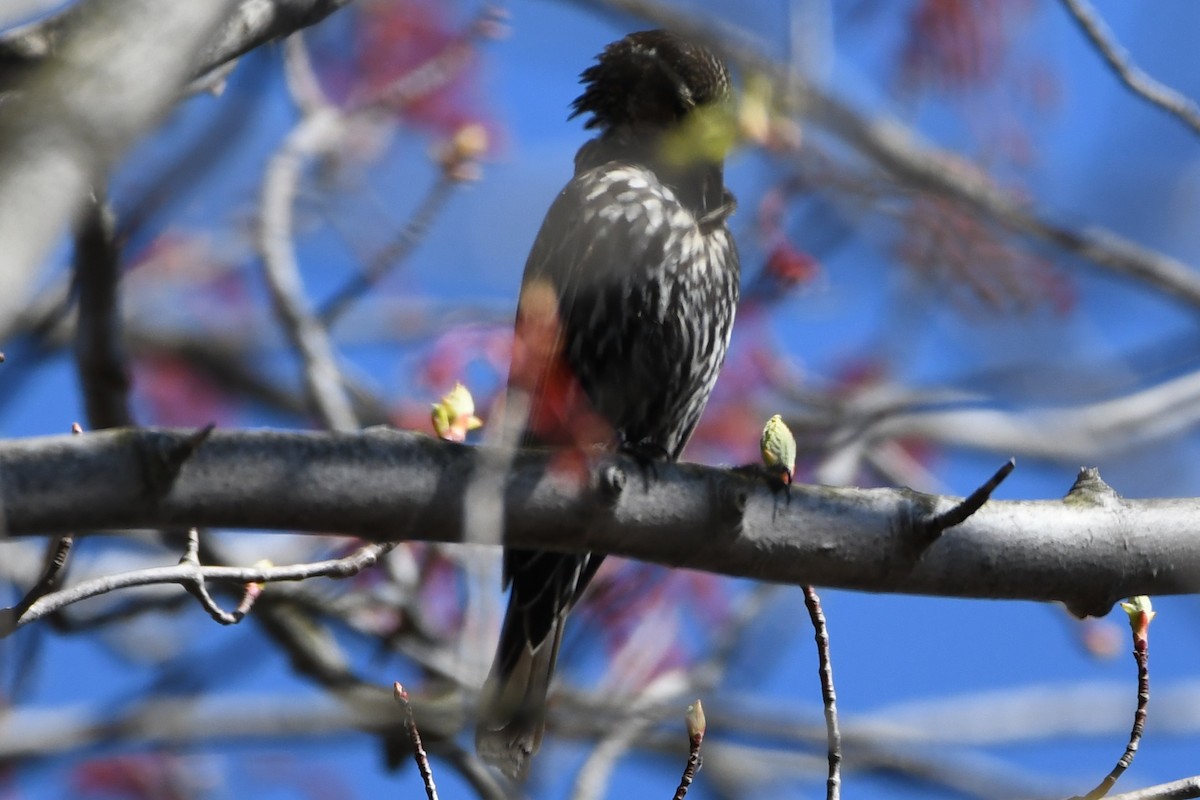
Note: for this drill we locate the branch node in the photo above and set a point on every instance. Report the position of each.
(935, 526)
(1090, 489)
(732, 497)
(1094, 606)
(612, 483)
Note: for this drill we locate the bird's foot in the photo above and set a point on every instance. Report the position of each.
(648, 454)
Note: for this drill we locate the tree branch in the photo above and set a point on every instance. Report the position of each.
(99, 349)
(191, 574)
(56, 139)
(1136, 80)
(252, 24)
(1087, 550)
(312, 136)
(1176, 790)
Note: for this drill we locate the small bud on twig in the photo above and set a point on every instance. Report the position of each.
(778, 447)
(454, 416)
(459, 157)
(696, 724)
(1141, 613)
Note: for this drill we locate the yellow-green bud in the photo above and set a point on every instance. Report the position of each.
(454, 415)
(779, 447)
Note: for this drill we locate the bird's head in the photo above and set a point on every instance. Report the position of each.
(652, 80)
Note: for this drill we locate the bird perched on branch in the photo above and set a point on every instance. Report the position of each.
(624, 318)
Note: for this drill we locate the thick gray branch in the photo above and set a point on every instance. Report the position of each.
(1088, 550)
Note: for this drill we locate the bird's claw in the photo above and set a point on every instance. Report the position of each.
(648, 454)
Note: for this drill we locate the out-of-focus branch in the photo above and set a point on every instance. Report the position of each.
(593, 777)
(899, 151)
(389, 485)
(314, 135)
(99, 352)
(1135, 79)
(55, 560)
(248, 719)
(1069, 434)
(252, 24)
(120, 65)
(321, 129)
(1186, 789)
(257, 22)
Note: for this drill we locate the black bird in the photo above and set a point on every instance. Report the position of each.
(626, 308)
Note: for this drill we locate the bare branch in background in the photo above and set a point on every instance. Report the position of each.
(313, 136)
(257, 22)
(1135, 79)
(851, 429)
(99, 350)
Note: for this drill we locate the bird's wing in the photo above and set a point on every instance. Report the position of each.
(584, 303)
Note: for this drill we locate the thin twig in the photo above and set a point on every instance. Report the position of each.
(961, 512)
(199, 589)
(57, 552)
(191, 573)
(833, 785)
(1140, 617)
(1135, 79)
(401, 93)
(414, 735)
(696, 727)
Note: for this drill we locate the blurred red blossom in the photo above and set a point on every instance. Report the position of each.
(975, 263)
(152, 776)
(788, 266)
(171, 392)
(959, 44)
(412, 56)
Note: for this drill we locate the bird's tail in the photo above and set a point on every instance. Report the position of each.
(512, 714)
